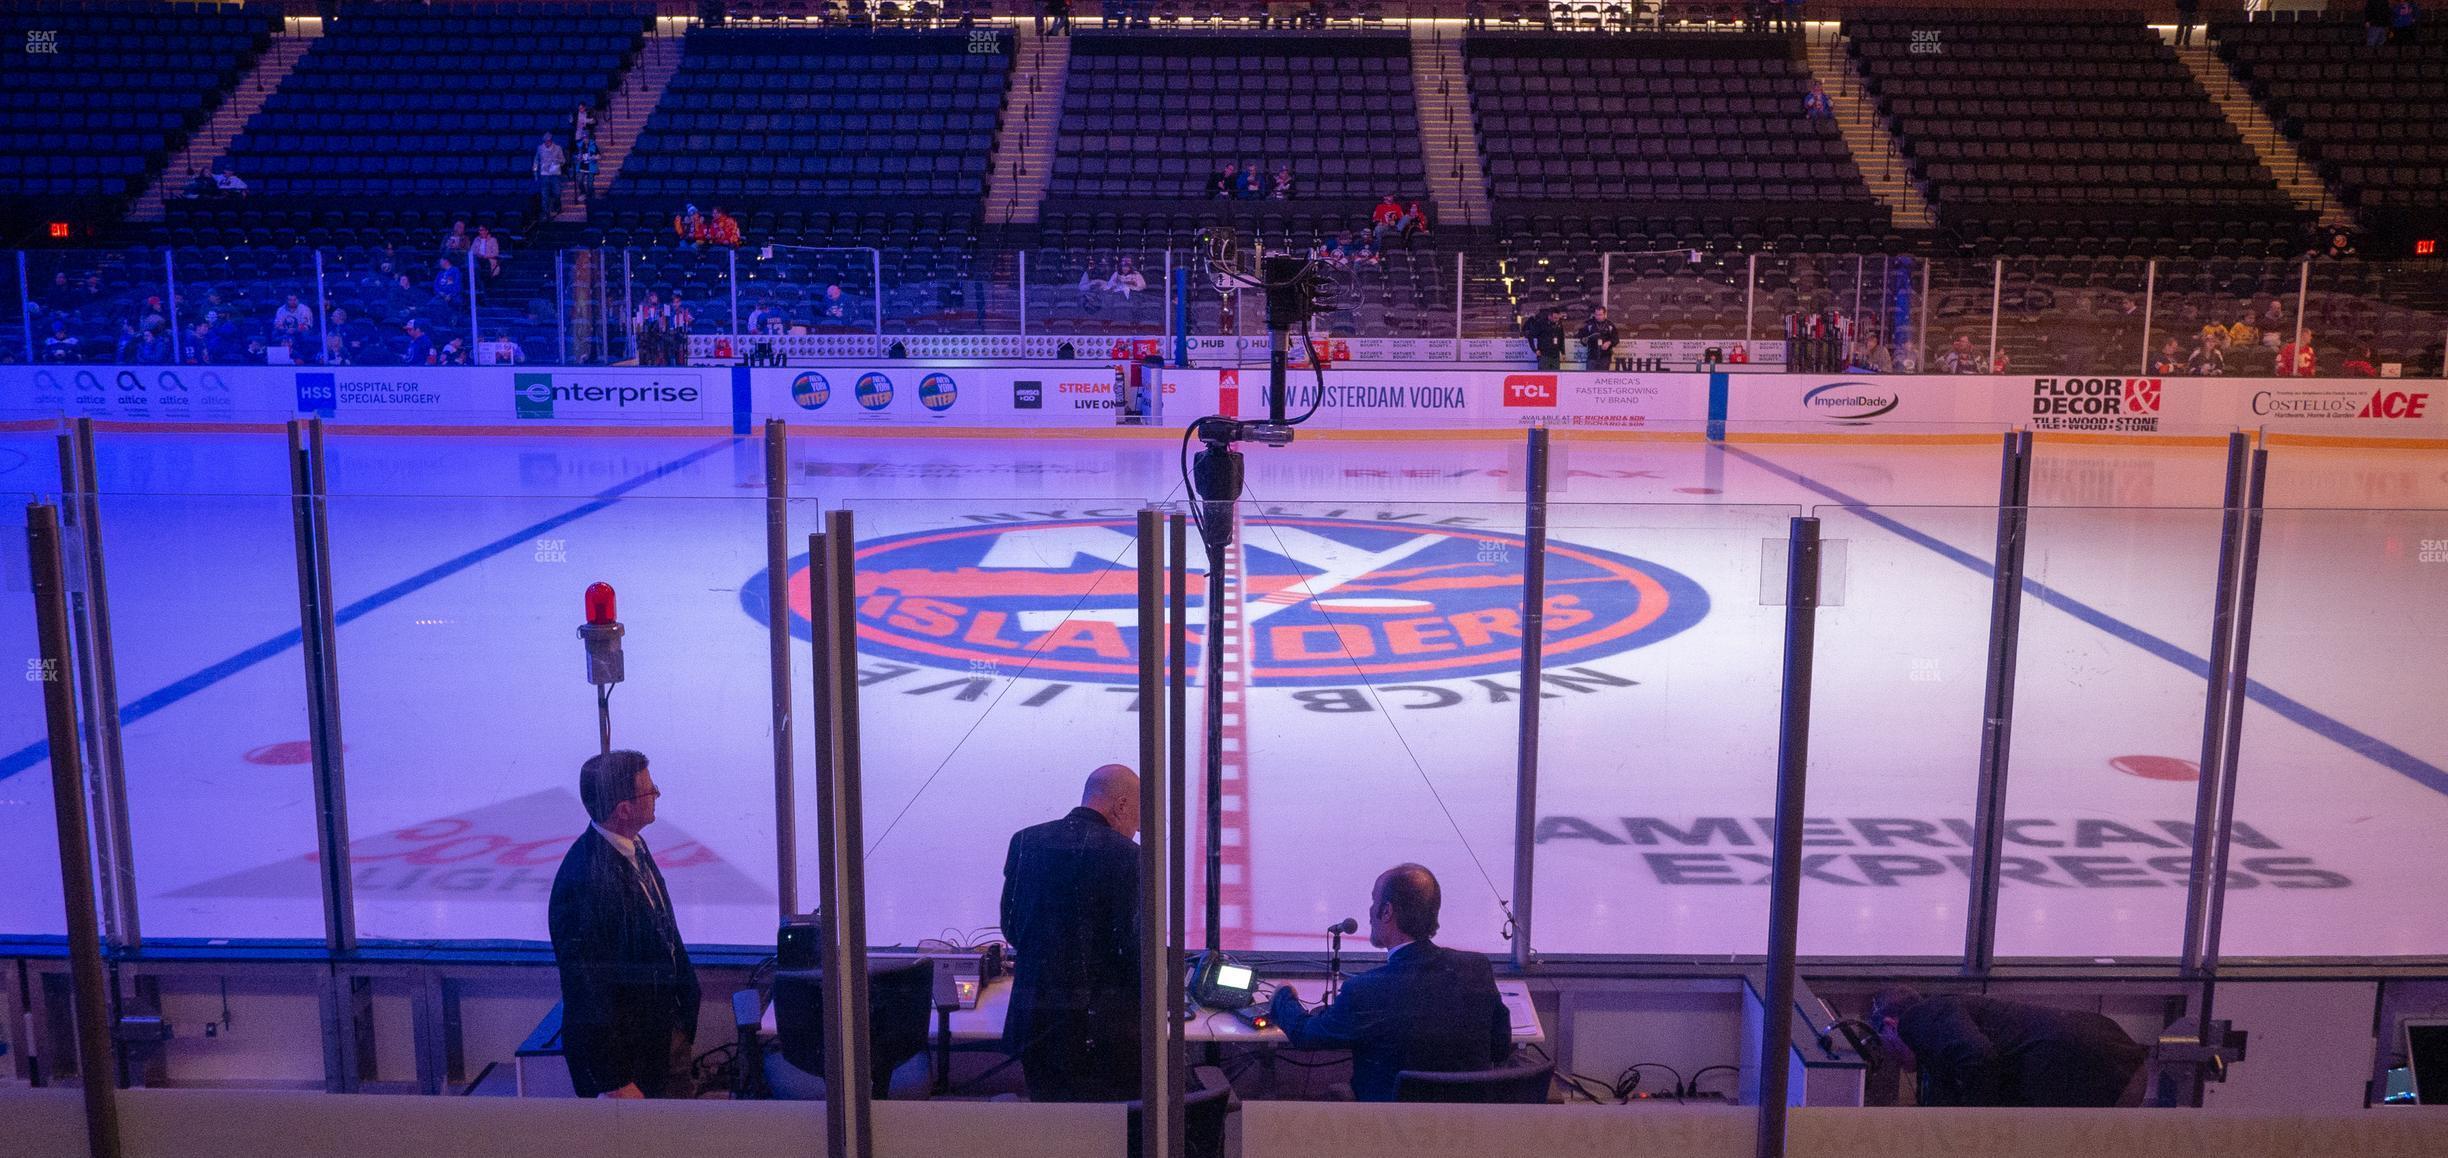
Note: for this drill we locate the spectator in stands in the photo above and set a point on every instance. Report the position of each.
(2365, 364)
(2209, 356)
(689, 226)
(723, 229)
(1906, 358)
(2170, 359)
(2001, 362)
(420, 345)
(502, 351)
(835, 307)
(2403, 19)
(201, 186)
(454, 353)
(586, 160)
(2188, 13)
(2376, 14)
(1793, 16)
(1282, 188)
(2274, 318)
(447, 282)
(1474, 16)
(2243, 335)
(681, 319)
(1126, 279)
(225, 345)
(550, 160)
(582, 121)
(455, 242)
(1044, 9)
(293, 317)
(58, 346)
(649, 323)
(486, 249)
(152, 317)
(229, 184)
(1817, 104)
(1386, 218)
(1227, 180)
(1414, 221)
(1598, 340)
(1546, 334)
(1870, 356)
(2296, 359)
(1960, 358)
(336, 351)
(1740, 355)
(124, 350)
(198, 348)
(1060, 12)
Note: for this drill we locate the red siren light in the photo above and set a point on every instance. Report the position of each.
(600, 605)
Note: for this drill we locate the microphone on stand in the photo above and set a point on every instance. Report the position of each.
(1334, 959)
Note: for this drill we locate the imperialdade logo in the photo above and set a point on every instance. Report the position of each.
(1327, 600)
(1851, 401)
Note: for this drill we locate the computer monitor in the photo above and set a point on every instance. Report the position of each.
(2426, 1041)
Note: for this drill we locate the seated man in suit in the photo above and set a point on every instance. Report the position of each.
(1980, 1051)
(1429, 1008)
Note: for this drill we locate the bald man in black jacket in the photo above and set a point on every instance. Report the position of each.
(1980, 1051)
(1071, 913)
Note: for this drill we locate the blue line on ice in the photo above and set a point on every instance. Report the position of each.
(39, 751)
(2346, 736)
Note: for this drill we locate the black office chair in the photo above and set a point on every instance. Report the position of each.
(1203, 1113)
(1513, 1085)
(900, 998)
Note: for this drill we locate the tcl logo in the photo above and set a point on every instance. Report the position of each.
(1530, 390)
(2394, 404)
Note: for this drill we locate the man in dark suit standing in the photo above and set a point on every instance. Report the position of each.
(1980, 1051)
(628, 994)
(1071, 913)
(1429, 1008)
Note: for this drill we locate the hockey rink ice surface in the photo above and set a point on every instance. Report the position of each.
(1377, 593)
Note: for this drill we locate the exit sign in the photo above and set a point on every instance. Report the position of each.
(2426, 247)
(59, 231)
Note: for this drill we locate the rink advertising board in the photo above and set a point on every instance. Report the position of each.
(1086, 393)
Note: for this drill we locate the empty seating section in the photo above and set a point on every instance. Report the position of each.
(410, 107)
(2375, 120)
(757, 113)
(2081, 127)
(1649, 119)
(96, 97)
(1150, 117)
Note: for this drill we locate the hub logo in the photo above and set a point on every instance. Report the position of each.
(810, 390)
(874, 391)
(2394, 404)
(317, 394)
(1325, 601)
(937, 392)
(1851, 401)
(1530, 390)
(1028, 395)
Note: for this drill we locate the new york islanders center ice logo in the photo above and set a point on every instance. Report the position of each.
(1326, 600)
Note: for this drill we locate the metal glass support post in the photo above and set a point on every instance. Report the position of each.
(178, 352)
(45, 560)
(322, 354)
(1997, 702)
(475, 334)
(2303, 295)
(1167, 335)
(875, 261)
(778, 645)
(1177, 723)
(25, 297)
(561, 303)
(318, 636)
(1533, 662)
(2248, 574)
(1024, 293)
(1750, 297)
(1921, 328)
(1606, 281)
(2150, 302)
(732, 256)
(98, 657)
(2206, 821)
(1459, 285)
(1160, 985)
(841, 848)
(603, 300)
(1997, 299)
(628, 318)
(1785, 871)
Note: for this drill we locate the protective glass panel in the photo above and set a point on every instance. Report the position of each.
(1497, 296)
(2231, 315)
(1380, 650)
(1101, 290)
(807, 290)
(2061, 315)
(1957, 307)
(1822, 313)
(16, 342)
(2384, 319)
(458, 611)
(250, 306)
(584, 281)
(1407, 291)
(97, 306)
(1668, 297)
(2341, 797)
(29, 847)
(1897, 684)
(2116, 628)
(391, 306)
(1659, 721)
(212, 697)
(998, 658)
(680, 303)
